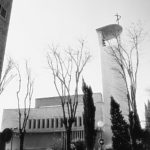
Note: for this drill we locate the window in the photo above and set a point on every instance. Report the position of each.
(29, 124)
(75, 123)
(3, 12)
(43, 123)
(52, 123)
(61, 122)
(80, 121)
(56, 122)
(38, 123)
(34, 124)
(47, 123)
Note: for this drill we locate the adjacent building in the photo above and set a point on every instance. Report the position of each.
(45, 129)
(5, 11)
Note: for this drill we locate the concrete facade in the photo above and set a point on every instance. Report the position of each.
(45, 129)
(112, 81)
(5, 11)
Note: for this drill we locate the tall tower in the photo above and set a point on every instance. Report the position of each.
(5, 11)
(112, 82)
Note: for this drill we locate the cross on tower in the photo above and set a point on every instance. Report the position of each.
(118, 18)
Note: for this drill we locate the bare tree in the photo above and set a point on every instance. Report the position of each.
(23, 114)
(127, 59)
(66, 73)
(6, 76)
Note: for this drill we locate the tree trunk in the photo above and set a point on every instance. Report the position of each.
(68, 138)
(21, 140)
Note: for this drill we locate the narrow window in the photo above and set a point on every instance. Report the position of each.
(34, 123)
(80, 121)
(47, 123)
(61, 122)
(52, 123)
(3, 12)
(75, 123)
(43, 123)
(38, 123)
(29, 124)
(56, 122)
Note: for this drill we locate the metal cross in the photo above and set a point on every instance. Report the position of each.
(118, 18)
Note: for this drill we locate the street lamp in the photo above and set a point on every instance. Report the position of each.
(100, 125)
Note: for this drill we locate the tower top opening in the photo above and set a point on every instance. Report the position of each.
(110, 31)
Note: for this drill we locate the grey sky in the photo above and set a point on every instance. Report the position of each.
(36, 23)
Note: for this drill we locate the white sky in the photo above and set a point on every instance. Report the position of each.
(36, 23)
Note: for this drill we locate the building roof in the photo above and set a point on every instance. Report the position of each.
(45, 108)
(55, 101)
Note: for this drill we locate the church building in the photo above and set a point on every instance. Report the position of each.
(45, 129)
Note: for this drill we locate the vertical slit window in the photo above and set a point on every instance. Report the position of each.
(52, 123)
(47, 123)
(29, 124)
(80, 121)
(61, 122)
(75, 122)
(34, 123)
(38, 123)
(56, 122)
(3, 12)
(43, 123)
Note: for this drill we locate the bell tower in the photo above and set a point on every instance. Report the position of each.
(112, 82)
